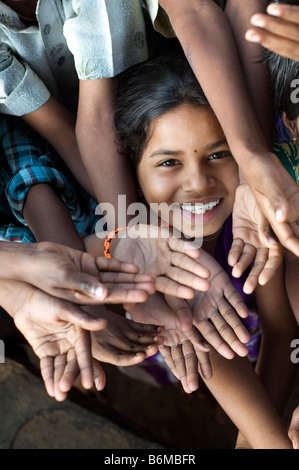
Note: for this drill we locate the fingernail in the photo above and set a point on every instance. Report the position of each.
(257, 21)
(253, 36)
(272, 241)
(273, 10)
(99, 292)
(279, 215)
(97, 383)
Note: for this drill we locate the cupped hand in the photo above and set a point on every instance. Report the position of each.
(184, 359)
(80, 277)
(253, 242)
(277, 196)
(217, 313)
(174, 263)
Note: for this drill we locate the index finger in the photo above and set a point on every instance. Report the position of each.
(287, 12)
(277, 26)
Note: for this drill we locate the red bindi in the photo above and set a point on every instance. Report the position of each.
(195, 151)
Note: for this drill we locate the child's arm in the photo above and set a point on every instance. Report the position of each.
(31, 180)
(206, 37)
(292, 276)
(109, 172)
(279, 328)
(48, 218)
(239, 14)
(57, 125)
(237, 389)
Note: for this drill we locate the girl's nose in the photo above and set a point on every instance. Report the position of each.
(197, 179)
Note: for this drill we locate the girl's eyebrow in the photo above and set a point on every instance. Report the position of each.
(174, 153)
(165, 152)
(215, 145)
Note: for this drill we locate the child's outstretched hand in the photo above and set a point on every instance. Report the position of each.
(216, 314)
(172, 261)
(278, 32)
(78, 276)
(60, 372)
(184, 359)
(253, 242)
(124, 342)
(277, 196)
(52, 326)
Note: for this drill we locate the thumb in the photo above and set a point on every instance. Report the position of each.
(182, 312)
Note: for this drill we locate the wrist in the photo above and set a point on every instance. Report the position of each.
(15, 259)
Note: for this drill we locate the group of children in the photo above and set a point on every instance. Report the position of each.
(89, 112)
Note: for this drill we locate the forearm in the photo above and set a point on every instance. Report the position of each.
(213, 55)
(110, 172)
(274, 356)
(279, 328)
(49, 219)
(237, 389)
(239, 14)
(292, 276)
(57, 125)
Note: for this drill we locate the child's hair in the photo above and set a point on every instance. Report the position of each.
(283, 72)
(148, 91)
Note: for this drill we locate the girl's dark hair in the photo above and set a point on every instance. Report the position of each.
(283, 72)
(148, 91)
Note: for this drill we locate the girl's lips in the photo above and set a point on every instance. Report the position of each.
(201, 212)
(200, 208)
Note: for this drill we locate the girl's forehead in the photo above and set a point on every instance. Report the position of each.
(186, 121)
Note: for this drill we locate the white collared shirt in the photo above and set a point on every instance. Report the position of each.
(74, 40)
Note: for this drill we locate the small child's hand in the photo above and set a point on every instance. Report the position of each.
(278, 32)
(55, 329)
(277, 197)
(216, 313)
(60, 373)
(253, 242)
(172, 261)
(124, 342)
(81, 278)
(184, 359)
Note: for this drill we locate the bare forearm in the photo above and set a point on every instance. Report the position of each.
(239, 14)
(110, 172)
(48, 219)
(292, 276)
(213, 55)
(278, 328)
(57, 125)
(237, 389)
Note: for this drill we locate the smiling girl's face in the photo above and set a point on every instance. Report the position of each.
(187, 161)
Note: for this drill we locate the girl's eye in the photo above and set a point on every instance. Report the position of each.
(219, 155)
(170, 162)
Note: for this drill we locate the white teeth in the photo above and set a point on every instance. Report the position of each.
(198, 208)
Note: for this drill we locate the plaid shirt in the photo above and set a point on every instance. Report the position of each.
(27, 160)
